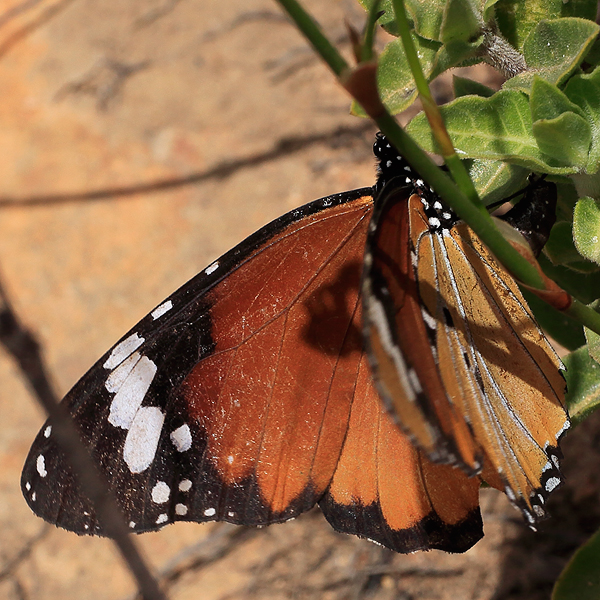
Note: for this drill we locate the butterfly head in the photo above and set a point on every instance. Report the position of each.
(392, 166)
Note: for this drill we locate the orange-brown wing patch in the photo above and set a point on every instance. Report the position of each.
(272, 401)
(386, 490)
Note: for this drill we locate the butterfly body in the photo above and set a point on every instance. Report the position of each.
(247, 395)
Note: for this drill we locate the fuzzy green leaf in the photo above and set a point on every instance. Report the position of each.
(395, 81)
(560, 327)
(496, 180)
(583, 384)
(462, 21)
(586, 228)
(516, 18)
(561, 250)
(548, 102)
(583, 286)
(496, 128)
(593, 339)
(553, 50)
(463, 86)
(580, 580)
(584, 90)
(566, 139)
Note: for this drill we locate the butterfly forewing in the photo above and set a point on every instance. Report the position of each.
(208, 389)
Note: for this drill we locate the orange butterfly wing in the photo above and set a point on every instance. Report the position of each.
(457, 355)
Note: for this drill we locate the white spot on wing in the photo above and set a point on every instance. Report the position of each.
(48, 431)
(185, 485)
(230, 459)
(131, 524)
(564, 428)
(121, 351)
(128, 399)
(529, 516)
(160, 493)
(378, 317)
(40, 465)
(27, 486)
(142, 439)
(163, 518)
(116, 379)
(210, 512)
(212, 268)
(552, 483)
(33, 497)
(538, 510)
(182, 438)
(181, 509)
(414, 381)
(429, 320)
(159, 311)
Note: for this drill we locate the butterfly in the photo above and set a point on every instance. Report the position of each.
(255, 391)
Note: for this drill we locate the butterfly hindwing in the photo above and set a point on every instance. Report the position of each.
(493, 368)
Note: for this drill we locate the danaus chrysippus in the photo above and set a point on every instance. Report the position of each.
(247, 395)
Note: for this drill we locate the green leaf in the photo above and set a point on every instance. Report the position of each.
(395, 81)
(462, 21)
(496, 128)
(584, 90)
(586, 9)
(561, 250)
(463, 86)
(593, 339)
(553, 50)
(496, 180)
(566, 138)
(388, 19)
(580, 580)
(586, 228)
(427, 16)
(593, 56)
(560, 327)
(583, 286)
(516, 18)
(583, 384)
(489, 7)
(548, 102)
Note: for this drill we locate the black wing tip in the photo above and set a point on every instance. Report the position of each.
(430, 533)
(534, 510)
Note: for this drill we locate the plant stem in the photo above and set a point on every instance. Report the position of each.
(585, 315)
(431, 109)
